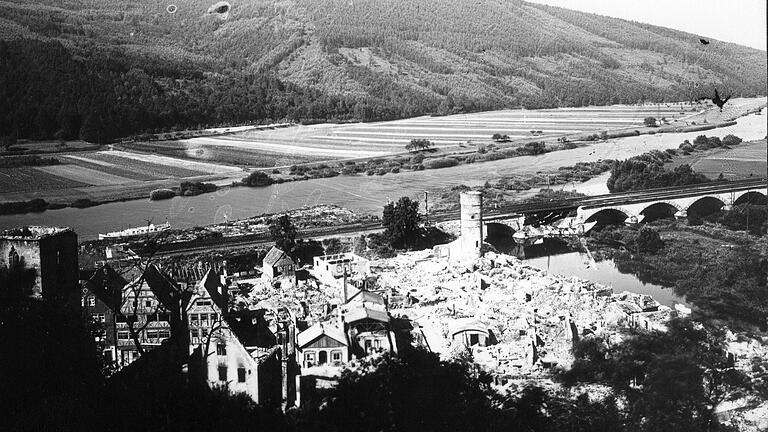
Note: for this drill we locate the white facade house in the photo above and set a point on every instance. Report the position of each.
(322, 344)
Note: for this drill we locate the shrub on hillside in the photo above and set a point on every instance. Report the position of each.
(259, 179)
(161, 194)
(440, 163)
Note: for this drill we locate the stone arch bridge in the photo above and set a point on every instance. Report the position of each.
(636, 208)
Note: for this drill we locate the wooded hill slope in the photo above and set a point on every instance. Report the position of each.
(101, 69)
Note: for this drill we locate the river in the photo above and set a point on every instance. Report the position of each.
(603, 272)
(366, 194)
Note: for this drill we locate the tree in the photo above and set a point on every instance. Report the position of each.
(418, 144)
(402, 222)
(413, 390)
(731, 140)
(7, 141)
(283, 232)
(648, 240)
(258, 179)
(671, 380)
(650, 121)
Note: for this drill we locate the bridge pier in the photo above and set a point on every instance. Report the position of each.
(682, 214)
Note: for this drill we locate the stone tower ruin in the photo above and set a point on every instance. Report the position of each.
(471, 239)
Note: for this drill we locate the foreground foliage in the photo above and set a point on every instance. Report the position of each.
(669, 380)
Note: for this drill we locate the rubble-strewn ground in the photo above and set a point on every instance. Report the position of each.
(521, 304)
(518, 303)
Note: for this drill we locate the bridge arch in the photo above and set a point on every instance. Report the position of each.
(704, 206)
(660, 210)
(608, 216)
(751, 197)
(497, 229)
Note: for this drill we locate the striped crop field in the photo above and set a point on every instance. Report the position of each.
(106, 168)
(357, 140)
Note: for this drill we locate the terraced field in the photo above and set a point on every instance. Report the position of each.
(742, 161)
(105, 168)
(32, 180)
(357, 140)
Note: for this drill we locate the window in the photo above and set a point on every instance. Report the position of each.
(336, 356)
(194, 318)
(163, 316)
(474, 339)
(309, 359)
(99, 317)
(148, 303)
(123, 335)
(221, 349)
(163, 334)
(203, 303)
(82, 301)
(152, 334)
(91, 301)
(214, 317)
(195, 333)
(222, 373)
(240, 374)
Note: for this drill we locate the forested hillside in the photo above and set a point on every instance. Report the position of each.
(102, 69)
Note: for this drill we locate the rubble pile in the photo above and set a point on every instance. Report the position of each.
(532, 317)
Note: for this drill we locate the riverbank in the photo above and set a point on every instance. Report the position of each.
(389, 166)
(721, 272)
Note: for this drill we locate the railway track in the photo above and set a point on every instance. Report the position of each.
(259, 239)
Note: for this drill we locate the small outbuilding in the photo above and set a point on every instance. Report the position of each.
(470, 331)
(279, 265)
(322, 344)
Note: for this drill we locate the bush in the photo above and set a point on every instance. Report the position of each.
(650, 121)
(84, 203)
(196, 188)
(440, 163)
(648, 240)
(417, 159)
(731, 140)
(275, 171)
(35, 205)
(258, 179)
(161, 194)
(395, 170)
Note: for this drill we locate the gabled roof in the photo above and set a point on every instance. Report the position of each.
(107, 285)
(165, 289)
(276, 255)
(360, 313)
(216, 290)
(468, 324)
(311, 334)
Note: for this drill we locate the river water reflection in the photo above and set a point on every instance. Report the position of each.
(604, 272)
(366, 194)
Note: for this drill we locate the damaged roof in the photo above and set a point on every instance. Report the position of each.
(250, 328)
(360, 313)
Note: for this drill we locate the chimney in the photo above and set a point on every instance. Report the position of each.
(345, 294)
